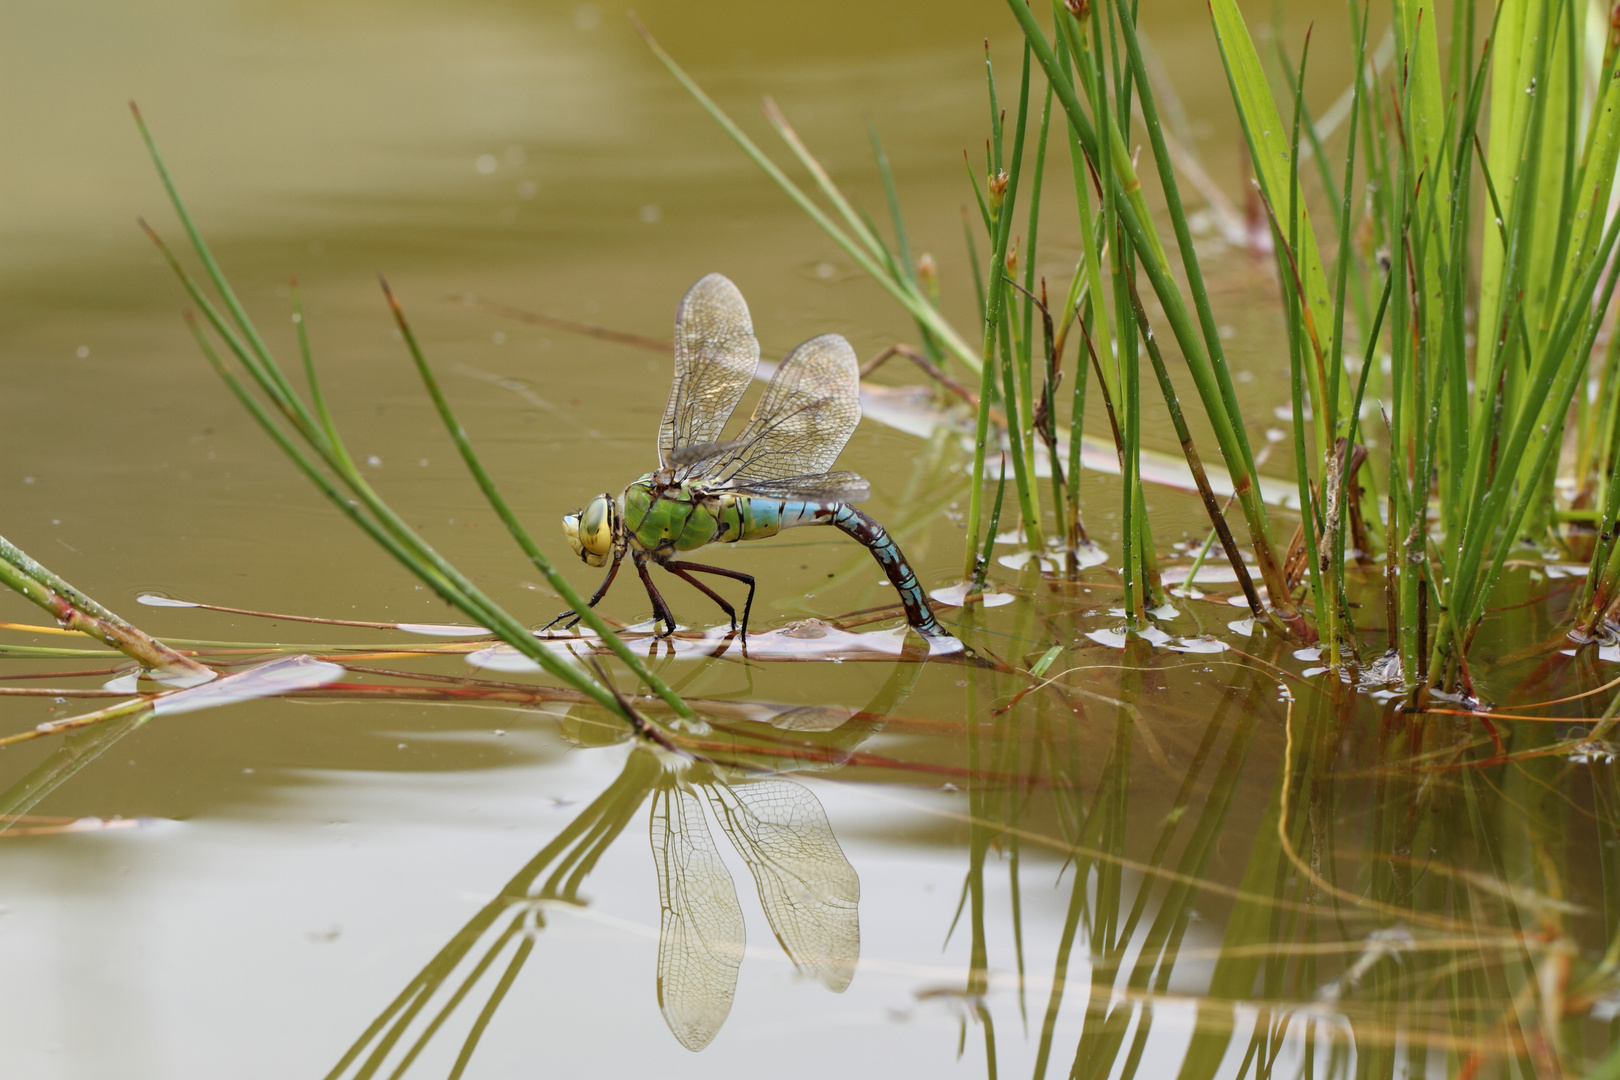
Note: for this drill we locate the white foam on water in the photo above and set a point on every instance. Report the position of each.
(956, 596)
(278, 677)
(443, 629)
(153, 600)
(1201, 644)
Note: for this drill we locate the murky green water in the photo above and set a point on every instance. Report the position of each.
(995, 879)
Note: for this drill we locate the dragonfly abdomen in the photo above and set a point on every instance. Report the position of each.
(751, 517)
(883, 548)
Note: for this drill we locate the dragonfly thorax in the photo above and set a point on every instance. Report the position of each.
(592, 532)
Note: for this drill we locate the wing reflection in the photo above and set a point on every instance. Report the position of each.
(807, 887)
(700, 934)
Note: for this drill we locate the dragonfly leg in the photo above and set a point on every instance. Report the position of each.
(601, 591)
(683, 570)
(660, 608)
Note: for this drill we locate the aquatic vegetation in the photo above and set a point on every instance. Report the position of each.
(1473, 458)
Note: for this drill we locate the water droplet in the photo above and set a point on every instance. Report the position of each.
(486, 164)
(651, 213)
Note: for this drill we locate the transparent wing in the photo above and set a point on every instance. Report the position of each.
(825, 487)
(700, 936)
(810, 893)
(715, 357)
(800, 426)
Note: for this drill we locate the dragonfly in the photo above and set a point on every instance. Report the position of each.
(774, 475)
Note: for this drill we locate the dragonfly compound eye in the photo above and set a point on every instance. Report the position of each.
(590, 532)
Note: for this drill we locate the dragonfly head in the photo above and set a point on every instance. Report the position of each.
(591, 532)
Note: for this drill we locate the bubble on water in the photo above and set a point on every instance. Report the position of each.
(82, 351)
(651, 213)
(486, 164)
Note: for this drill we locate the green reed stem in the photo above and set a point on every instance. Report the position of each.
(982, 564)
(377, 519)
(1133, 217)
(75, 610)
(995, 299)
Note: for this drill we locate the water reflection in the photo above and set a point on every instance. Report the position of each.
(809, 892)
(807, 889)
(1208, 865)
(1405, 906)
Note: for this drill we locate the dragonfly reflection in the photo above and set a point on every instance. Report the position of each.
(808, 890)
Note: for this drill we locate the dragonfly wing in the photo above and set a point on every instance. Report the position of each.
(715, 357)
(824, 487)
(700, 935)
(809, 891)
(800, 426)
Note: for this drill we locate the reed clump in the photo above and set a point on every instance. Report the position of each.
(1451, 293)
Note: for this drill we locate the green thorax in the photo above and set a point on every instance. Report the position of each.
(677, 518)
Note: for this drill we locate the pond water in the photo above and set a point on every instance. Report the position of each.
(1139, 862)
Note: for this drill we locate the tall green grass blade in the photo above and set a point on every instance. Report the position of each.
(982, 565)
(1268, 146)
(1122, 179)
(902, 244)
(1183, 433)
(995, 300)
